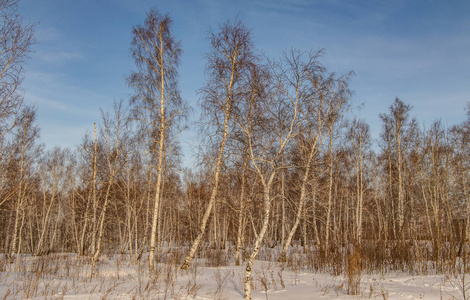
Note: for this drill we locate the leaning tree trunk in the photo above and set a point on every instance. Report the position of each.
(227, 116)
(300, 208)
(205, 218)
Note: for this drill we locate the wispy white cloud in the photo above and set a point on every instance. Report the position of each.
(46, 78)
(55, 105)
(48, 34)
(56, 56)
(54, 47)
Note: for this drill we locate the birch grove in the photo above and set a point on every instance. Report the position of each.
(284, 167)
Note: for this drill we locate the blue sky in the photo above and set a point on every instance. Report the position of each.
(416, 50)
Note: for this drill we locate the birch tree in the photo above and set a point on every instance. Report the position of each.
(53, 174)
(157, 103)
(460, 138)
(268, 119)
(24, 148)
(231, 53)
(322, 100)
(359, 138)
(87, 193)
(397, 133)
(113, 134)
(241, 208)
(16, 39)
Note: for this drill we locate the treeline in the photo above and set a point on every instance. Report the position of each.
(282, 161)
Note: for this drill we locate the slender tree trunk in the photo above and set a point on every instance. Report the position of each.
(304, 229)
(360, 192)
(241, 212)
(392, 221)
(19, 207)
(214, 222)
(303, 197)
(47, 212)
(283, 203)
(260, 236)
(205, 218)
(314, 214)
(467, 203)
(20, 237)
(56, 226)
(95, 201)
(153, 234)
(101, 230)
(44, 227)
(160, 237)
(227, 116)
(401, 206)
(112, 169)
(330, 196)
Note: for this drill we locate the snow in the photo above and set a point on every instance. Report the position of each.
(66, 276)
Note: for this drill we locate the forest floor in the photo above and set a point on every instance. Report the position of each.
(67, 276)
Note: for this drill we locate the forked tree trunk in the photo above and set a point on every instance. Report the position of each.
(260, 236)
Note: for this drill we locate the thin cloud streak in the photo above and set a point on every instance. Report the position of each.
(58, 106)
(55, 56)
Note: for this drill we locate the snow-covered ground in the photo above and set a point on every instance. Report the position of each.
(66, 276)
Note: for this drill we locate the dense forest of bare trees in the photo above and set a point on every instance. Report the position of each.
(283, 162)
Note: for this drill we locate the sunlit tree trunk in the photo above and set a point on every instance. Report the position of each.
(329, 203)
(205, 218)
(230, 56)
(157, 104)
(241, 212)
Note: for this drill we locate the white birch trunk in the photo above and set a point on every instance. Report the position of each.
(359, 190)
(227, 116)
(401, 210)
(95, 201)
(330, 197)
(241, 213)
(19, 207)
(153, 234)
(205, 218)
(260, 236)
